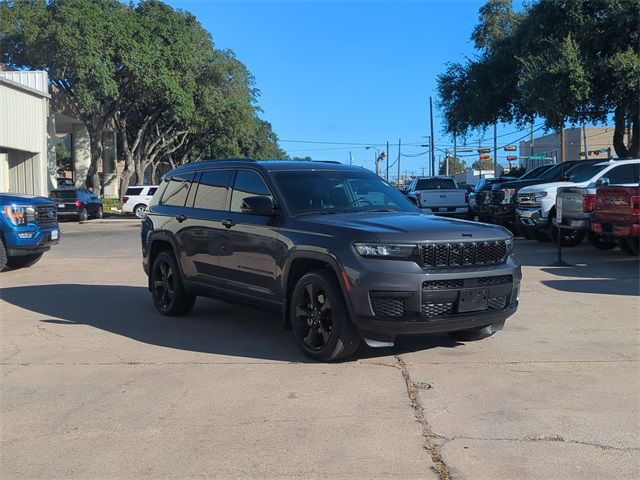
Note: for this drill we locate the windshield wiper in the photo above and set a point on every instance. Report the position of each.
(380, 210)
(315, 212)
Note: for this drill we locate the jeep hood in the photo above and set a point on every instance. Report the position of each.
(403, 227)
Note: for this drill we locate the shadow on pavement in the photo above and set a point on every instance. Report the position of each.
(212, 327)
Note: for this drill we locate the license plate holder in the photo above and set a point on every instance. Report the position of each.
(61, 205)
(473, 300)
(55, 235)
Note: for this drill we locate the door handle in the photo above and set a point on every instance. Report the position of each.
(181, 218)
(228, 223)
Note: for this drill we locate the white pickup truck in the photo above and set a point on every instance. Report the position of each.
(439, 195)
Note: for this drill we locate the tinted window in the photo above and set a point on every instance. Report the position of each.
(339, 192)
(64, 194)
(582, 173)
(247, 184)
(435, 184)
(176, 191)
(213, 190)
(132, 191)
(623, 174)
(152, 191)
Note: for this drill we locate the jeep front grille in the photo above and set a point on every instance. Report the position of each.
(463, 254)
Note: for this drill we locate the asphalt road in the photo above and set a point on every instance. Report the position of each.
(96, 384)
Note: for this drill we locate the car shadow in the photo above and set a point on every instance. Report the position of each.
(212, 327)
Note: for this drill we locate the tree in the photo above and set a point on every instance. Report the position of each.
(565, 61)
(484, 164)
(456, 165)
(80, 44)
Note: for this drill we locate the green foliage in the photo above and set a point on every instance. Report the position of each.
(484, 164)
(108, 203)
(566, 61)
(456, 165)
(64, 160)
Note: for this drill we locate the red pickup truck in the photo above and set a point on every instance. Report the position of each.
(618, 215)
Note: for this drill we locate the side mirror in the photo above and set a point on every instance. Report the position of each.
(602, 182)
(258, 205)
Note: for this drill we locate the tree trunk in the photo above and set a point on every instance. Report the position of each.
(632, 149)
(139, 173)
(95, 141)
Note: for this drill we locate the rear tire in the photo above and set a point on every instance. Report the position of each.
(319, 318)
(167, 290)
(540, 235)
(100, 213)
(630, 246)
(83, 215)
(601, 242)
(24, 261)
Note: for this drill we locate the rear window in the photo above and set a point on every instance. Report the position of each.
(213, 190)
(152, 191)
(64, 194)
(132, 191)
(435, 184)
(176, 191)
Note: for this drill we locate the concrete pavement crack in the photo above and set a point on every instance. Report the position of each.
(549, 438)
(433, 447)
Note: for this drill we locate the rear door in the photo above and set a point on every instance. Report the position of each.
(248, 259)
(203, 236)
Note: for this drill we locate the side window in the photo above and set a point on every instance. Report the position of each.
(622, 174)
(152, 191)
(175, 193)
(158, 195)
(213, 190)
(247, 184)
(133, 191)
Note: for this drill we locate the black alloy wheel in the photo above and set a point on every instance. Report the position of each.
(169, 296)
(602, 242)
(320, 320)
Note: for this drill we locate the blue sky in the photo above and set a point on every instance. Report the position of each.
(355, 72)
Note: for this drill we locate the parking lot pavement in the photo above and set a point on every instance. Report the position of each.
(96, 384)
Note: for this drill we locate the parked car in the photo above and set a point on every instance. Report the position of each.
(536, 204)
(63, 183)
(575, 208)
(28, 229)
(439, 195)
(137, 198)
(504, 195)
(342, 254)
(479, 199)
(618, 215)
(77, 202)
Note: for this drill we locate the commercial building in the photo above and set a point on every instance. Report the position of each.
(577, 142)
(32, 118)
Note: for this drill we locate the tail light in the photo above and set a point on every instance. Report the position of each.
(78, 203)
(589, 202)
(125, 199)
(635, 204)
(596, 227)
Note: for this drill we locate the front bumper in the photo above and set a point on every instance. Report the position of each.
(395, 303)
(531, 217)
(40, 240)
(503, 211)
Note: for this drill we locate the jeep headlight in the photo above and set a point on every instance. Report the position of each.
(509, 244)
(382, 250)
(19, 215)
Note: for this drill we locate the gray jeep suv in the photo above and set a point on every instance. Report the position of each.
(344, 255)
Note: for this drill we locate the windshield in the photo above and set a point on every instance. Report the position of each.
(582, 173)
(435, 184)
(535, 172)
(339, 192)
(63, 194)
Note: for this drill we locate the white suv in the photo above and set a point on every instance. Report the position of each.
(537, 203)
(137, 198)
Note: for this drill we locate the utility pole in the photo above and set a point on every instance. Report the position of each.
(531, 138)
(455, 146)
(495, 150)
(584, 139)
(431, 142)
(562, 145)
(350, 159)
(386, 177)
(398, 181)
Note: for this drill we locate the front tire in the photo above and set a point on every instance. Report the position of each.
(100, 213)
(138, 210)
(167, 290)
(24, 261)
(3, 256)
(320, 320)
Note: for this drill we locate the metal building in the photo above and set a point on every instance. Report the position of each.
(27, 135)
